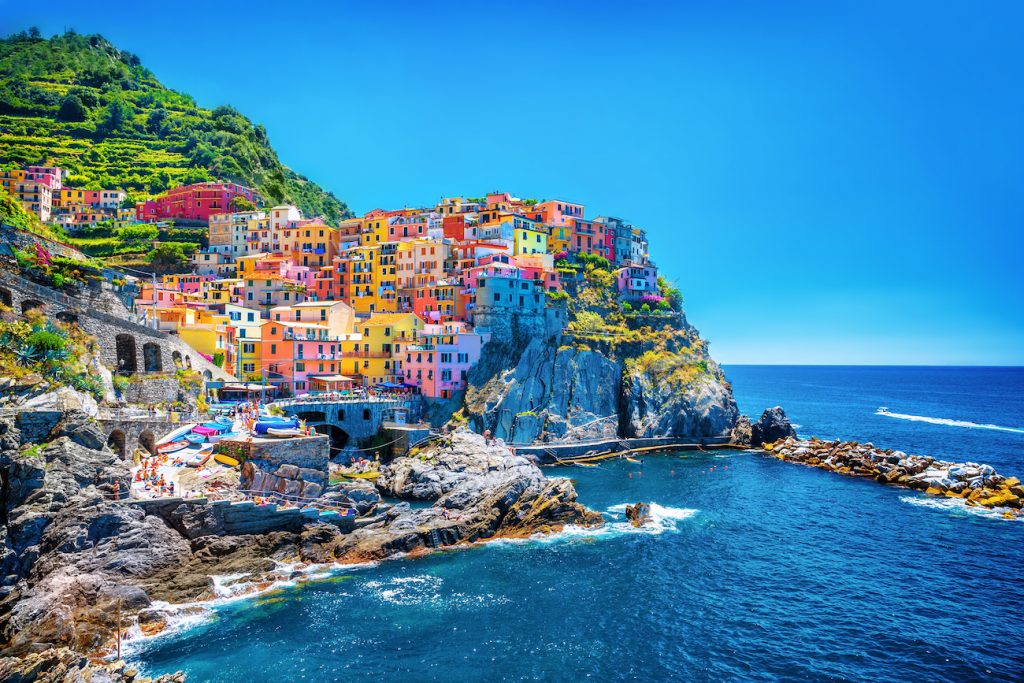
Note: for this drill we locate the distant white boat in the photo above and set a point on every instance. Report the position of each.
(883, 409)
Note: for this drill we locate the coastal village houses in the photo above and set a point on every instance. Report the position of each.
(393, 298)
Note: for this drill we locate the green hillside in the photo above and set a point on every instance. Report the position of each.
(78, 102)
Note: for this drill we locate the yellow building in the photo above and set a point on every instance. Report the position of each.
(530, 237)
(361, 267)
(312, 244)
(374, 354)
(560, 238)
(207, 334)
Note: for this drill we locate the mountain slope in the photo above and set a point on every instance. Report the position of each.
(78, 102)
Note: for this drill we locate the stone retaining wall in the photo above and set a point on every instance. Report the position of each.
(292, 467)
(222, 517)
(549, 453)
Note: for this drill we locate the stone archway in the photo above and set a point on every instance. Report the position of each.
(152, 357)
(147, 442)
(176, 357)
(117, 442)
(127, 363)
(339, 437)
(67, 318)
(6, 298)
(188, 362)
(32, 305)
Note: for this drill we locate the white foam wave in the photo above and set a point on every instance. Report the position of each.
(957, 505)
(663, 518)
(947, 422)
(231, 588)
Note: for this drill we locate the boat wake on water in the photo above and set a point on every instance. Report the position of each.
(947, 422)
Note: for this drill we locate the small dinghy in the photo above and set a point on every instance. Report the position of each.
(174, 446)
(286, 433)
(195, 439)
(226, 421)
(635, 461)
(199, 459)
(214, 438)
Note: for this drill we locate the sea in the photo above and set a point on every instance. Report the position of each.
(754, 569)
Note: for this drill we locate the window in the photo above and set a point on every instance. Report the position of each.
(273, 348)
(248, 367)
(300, 367)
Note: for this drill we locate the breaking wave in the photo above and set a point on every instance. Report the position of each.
(957, 506)
(948, 422)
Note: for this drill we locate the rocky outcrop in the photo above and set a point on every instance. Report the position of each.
(703, 408)
(741, 432)
(547, 393)
(481, 491)
(976, 485)
(772, 426)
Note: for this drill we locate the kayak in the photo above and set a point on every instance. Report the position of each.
(585, 464)
(226, 460)
(284, 433)
(173, 447)
(635, 461)
(361, 475)
(198, 459)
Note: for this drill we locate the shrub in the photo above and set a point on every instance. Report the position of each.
(646, 308)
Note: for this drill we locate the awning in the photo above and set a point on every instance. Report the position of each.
(329, 378)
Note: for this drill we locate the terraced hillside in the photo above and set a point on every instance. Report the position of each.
(78, 102)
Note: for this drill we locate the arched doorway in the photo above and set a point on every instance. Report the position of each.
(67, 318)
(116, 442)
(125, 346)
(188, 362)
(32, 305)
(147, 442)
(6, 298)
(176, 357)
(152, 359)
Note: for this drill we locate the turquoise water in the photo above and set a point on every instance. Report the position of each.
(757, 570)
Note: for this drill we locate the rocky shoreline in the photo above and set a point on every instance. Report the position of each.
(976, 485)
(70, 555)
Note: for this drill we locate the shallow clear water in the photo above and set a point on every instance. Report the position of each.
(757, 570)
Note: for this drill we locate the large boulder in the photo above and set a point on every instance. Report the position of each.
(772, 426)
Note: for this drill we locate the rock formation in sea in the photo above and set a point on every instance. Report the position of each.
(772, 426)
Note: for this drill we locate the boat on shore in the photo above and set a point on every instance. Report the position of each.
(195, 438)
(225, 459)
(174, 446)
(176, 434)
(286, 433)
(214, 438)
(361, 475)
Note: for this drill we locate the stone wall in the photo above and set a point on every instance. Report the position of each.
(121, 343)
(360, 420)
(27, 241)
(293, 467)
(200, 517)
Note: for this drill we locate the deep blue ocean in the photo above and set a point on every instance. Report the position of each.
(756, 570)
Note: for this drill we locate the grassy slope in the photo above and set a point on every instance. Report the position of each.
(163, 138)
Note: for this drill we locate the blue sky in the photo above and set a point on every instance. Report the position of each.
(827, 182)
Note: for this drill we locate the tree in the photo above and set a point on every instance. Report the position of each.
(72, 109)
(155, 121)
(242, 204)
(116, 115)
(34, 33)
(166, 254)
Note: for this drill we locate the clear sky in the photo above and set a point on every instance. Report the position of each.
(828, 182)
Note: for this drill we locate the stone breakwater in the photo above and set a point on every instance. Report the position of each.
(977, 485)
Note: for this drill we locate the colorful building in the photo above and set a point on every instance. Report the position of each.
(438, 361)
(196, 202)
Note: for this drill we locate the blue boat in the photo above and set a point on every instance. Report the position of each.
(263, 425)
(225, 421)
(195, 439)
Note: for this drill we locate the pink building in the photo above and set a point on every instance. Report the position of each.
(638, 281)
(439, 361)
(557, 212)
(194, 202)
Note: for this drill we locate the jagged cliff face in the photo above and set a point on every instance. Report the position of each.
(607, 374)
